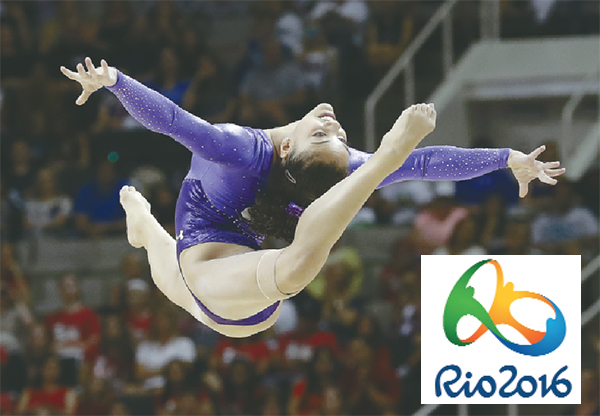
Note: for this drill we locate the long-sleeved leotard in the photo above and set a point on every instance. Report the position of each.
(231, 163)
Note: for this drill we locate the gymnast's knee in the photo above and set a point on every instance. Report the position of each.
(277, 281)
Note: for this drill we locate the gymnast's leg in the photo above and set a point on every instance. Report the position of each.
(143, 230)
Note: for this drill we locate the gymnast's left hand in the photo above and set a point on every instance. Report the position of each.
(526, 168)
(92, 80)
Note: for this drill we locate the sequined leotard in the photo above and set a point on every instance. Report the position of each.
(231, 163)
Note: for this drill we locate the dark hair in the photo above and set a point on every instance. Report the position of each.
(312, 179)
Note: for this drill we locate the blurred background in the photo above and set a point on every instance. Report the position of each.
(83, 328)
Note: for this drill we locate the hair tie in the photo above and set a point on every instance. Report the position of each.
(294, 209)
(290, 177)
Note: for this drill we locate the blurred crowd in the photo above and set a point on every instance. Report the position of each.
(335, 349)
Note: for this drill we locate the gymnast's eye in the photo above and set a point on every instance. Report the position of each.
(320, 133)
(343, 139)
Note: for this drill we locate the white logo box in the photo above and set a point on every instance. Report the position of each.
(558, 278)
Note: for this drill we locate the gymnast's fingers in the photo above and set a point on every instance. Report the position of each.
(69, 74)
(90, 67)
(546, 179)
(550, 165)
(554, 172)
(81, 72)
(104, 68)
(82, 98)
(523, 189)
(537, 152)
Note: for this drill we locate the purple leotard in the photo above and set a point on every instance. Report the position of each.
(231, 163)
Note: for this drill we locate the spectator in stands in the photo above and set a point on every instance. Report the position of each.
(50, 397)
(368, 329)
(165, 345)
(11, 227)
(141, 47)
(74, 328)
(47, 210)
(70, 160)
(516, 240)
(370, 390)
(308, 393)
(242, 390)
(17, 42)
(116, 356)
(167, 23)
(343, 20)
(97, 208)
(565, 227)
(491, 220)
(138, 314)
(21, 171)
(12, 276)
(210, 95)
(15, 318)
(37, 351)
(167, 79)
(252, 349)
(463, 241)
(348, 258)
(273, 92)
(162, 200)
(296, 348)
(192, 46)
(403, 264)
(119, 409)
(289, 27)
(115, 24)
(132, 267)
(390, 30)
(320, 65)
(406, 323)
(435, 223)
(177, 383)
(342, 301)
(96, 398)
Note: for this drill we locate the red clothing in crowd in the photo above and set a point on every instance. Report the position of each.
(380, 375)
(310, 402)
(69, 328)
(228, 350)
(53, 399)
(6, 403)
(139, 326)
(296, 346)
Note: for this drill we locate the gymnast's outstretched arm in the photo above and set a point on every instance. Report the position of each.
(449, 163)
(218, 143)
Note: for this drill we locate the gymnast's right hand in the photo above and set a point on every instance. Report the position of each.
(416, 122)
(93, 79)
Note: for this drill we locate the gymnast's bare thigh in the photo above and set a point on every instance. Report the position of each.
(223, 277)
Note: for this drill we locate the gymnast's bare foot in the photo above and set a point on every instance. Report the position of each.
(137, 209)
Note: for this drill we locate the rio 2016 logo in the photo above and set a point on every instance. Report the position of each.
(461, 302)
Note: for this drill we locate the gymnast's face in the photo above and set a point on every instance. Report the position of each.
(320, 134)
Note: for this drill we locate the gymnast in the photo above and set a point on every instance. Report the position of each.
(300, 182)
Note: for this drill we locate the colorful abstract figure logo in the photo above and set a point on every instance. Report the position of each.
(461, 303)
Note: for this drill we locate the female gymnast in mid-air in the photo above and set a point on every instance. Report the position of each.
(300, 182)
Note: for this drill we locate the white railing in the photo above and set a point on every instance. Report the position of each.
(567, 149)
(405, 64)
